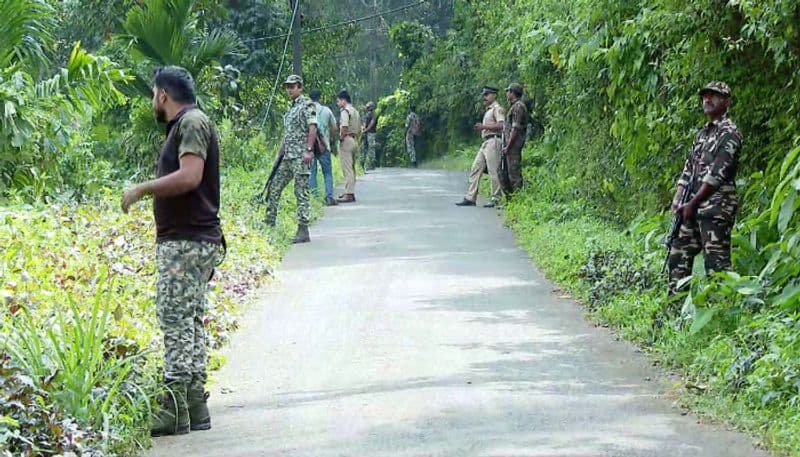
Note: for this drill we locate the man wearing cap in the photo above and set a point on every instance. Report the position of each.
(296, 154)
(514, 130)
(326, 123)
(412, 130)
(488, 157)
(349, 129)
(370, 127)
(709, 175)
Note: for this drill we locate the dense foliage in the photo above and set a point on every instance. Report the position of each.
(613, 85)
(79, 349)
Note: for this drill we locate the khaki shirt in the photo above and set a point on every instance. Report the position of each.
(495, 114)
(351, 120)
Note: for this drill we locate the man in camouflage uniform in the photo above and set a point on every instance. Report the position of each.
(412, 130)
(514, 131)
(709, 176)
(185, 204)
(488, 157)
(295, 155)
(370, 128)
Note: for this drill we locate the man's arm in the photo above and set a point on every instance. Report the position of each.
(516, 128)
(722, 170)
(371, 126)
(494, 127)
(332, 126)
(179, 182)
(344, 125)
(497, 125)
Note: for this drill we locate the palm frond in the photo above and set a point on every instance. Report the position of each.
(213, 47)
(160, 29)
(26, 33)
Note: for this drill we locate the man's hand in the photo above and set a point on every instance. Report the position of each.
(130, 197)
(676, 200)
(687, 211)
(307, 158)
(479, 126)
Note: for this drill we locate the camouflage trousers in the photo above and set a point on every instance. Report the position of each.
(709, 232)
(368, 162)
(184, 268)
(513, 160)
(290, 168)
(412, 152)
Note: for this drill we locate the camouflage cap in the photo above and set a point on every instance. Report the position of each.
(516, 88)
(370, 105)
(718, 87)
(294, 79)
(488, 90)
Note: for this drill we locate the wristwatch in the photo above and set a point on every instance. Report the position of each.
(309, 148)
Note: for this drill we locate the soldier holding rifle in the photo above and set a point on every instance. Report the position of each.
(705, 202)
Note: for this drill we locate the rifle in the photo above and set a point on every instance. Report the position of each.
(502, 172)
(263, 196)
(677, 219)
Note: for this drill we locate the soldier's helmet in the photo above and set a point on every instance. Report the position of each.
(718, 87)
(294, 79)
(370, 105)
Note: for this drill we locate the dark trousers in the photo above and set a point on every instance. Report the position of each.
(511, 169)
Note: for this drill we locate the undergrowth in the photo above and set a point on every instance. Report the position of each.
(80, 351)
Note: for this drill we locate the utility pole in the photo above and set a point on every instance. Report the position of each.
(373, 56)
(297, 51)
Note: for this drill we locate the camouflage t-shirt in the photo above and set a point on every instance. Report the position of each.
(517, 119)
(714, 159)
(296, 122)
(412, 124)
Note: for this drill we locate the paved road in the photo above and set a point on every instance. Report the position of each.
(410, 327)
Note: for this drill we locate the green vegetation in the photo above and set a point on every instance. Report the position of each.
(614, 92)
(79, 343)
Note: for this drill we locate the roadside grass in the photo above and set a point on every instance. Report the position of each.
(735, 369)
(79, 343)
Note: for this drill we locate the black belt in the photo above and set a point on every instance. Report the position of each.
(488, 137)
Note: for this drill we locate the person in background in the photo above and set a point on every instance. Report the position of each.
(326, 123)
(349, 129)
(488, 157)
(370, 129)
(412, 130)
(515, 129)
(295, 155)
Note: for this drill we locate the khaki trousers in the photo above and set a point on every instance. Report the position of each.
(488, 157)
(347, 158)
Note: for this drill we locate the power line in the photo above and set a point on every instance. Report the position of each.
(339, 24)
(280, 67)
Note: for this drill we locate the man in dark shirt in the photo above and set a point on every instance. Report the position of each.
(370, 128)
(514, 137)
(185, 204)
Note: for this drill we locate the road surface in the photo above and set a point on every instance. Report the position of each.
(412, 327)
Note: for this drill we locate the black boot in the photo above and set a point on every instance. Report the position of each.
(196, 399)
(465, 202)
(302, 235)
(173, 415)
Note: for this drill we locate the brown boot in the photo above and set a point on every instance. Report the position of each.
(347, 198)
